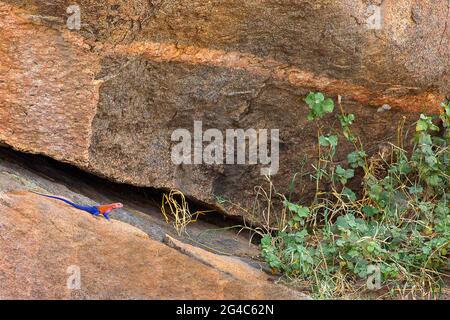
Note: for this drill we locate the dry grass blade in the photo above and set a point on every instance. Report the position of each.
(178, 213)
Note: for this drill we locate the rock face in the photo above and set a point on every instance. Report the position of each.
(108, 97)
(45, 245)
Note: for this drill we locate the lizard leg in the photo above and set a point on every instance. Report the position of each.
(95, 212)
(106, 217)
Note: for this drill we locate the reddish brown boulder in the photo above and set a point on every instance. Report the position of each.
(108, 97)
(44, 243)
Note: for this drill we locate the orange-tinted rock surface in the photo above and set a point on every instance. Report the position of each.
(108, 97)
(49, 250)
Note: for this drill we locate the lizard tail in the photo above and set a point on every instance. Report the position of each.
(92, 210)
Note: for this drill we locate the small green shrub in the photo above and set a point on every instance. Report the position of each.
(400, 222)
(318, 105)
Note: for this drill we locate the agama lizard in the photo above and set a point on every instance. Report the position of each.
(94, 210)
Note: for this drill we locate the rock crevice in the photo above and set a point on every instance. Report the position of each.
(107, 97)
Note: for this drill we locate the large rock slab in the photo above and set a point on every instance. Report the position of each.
(108, 97)
(44, 244)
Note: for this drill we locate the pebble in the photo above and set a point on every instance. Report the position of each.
(383, 108)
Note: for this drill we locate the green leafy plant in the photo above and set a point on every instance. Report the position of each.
(399, 221)
(357, 159)
(343, 175)
(318, 105)
(346, 120)
(330, 141)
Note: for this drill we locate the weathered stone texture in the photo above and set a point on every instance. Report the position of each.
(45, 242)
(47, 94)
(107, 97)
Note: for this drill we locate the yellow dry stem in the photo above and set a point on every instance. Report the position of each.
(178, 214)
